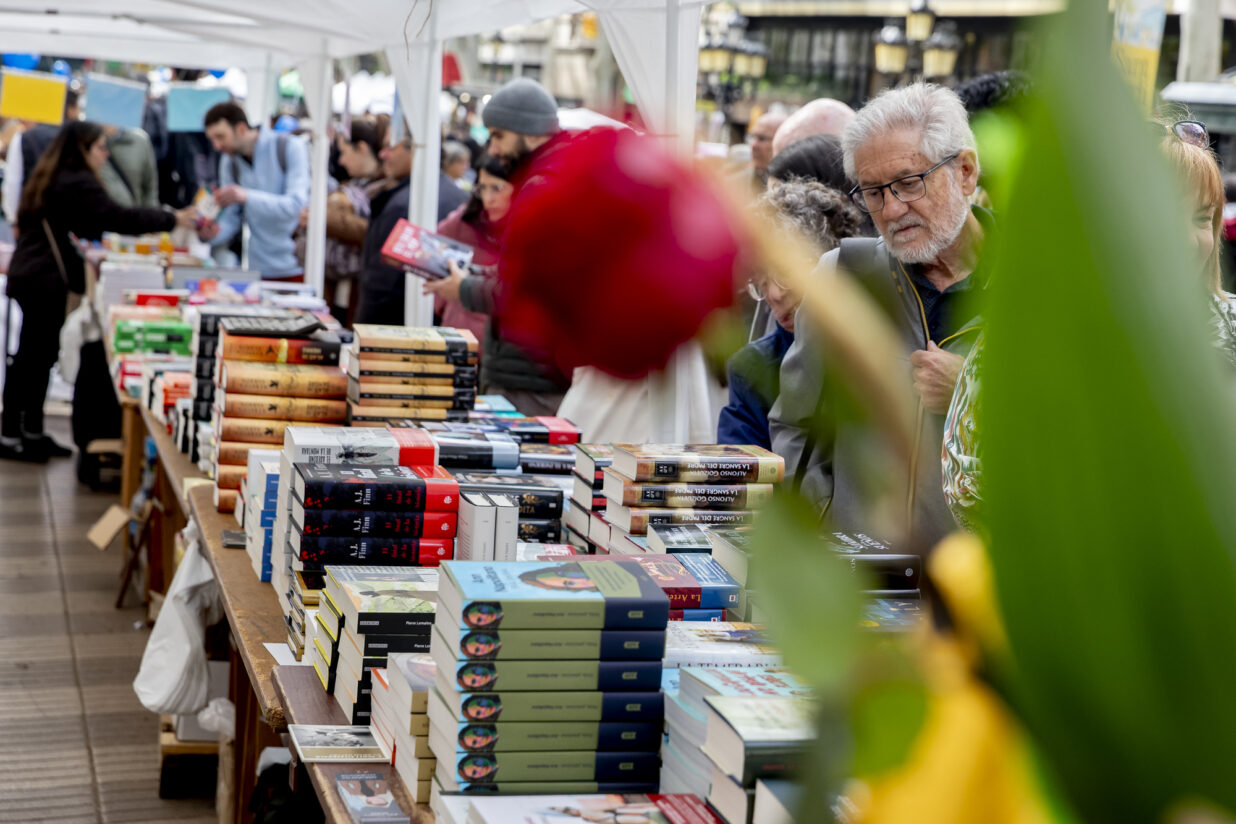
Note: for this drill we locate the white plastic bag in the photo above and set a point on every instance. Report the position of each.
(173, 678)
(219, 716)
(80, 327)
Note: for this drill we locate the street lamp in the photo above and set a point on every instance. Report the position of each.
(919, 21)
(940, 51)
(891, 50)
(714, 57)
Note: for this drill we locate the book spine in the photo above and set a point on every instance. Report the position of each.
(397, 401)
(405, 494)
(697, 615)
(603, 736)
(770, 761)
(413, 356)
(279, 350)
(610, 645)
(229, 477)
(547, 464)
(328, 383)
(539, 531)
(371, 551)
(695, 469)
(383, 415)
(641, 519)
(399, 623)
(234, 453)
(255, 431)
(560, 706)
(697, 496)
(602, 676)
(348, 522)
(575, 765)
(287, 409)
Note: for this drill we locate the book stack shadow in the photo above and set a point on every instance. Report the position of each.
(548, 678)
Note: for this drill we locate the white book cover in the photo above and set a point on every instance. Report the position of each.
(506, 527)
(477, 518)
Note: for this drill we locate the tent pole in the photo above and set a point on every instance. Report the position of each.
(426, 125)
(315, 245)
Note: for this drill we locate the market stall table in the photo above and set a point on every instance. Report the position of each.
(255, 619)
(305, 702)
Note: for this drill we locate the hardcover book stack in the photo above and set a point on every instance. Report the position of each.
(259, 493)
(548, 678)
(753, 737)
(207, 353)
(257, 398)
(684, 766)
(332, 445)
(366, 613)
(399, 716)
(531, 510)
(653, 484)
(411, 373)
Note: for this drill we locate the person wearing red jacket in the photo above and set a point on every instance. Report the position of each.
(479, 223)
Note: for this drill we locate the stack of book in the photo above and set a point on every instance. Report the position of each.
(548, 678)
(168, 388)
(332, 445)
(366, 613)
(684, 766)
(411, 373)
(652, 484)
(538, 504)
(259, 493)
(399, 714)
(753, 737)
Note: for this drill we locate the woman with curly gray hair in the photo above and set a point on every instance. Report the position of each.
(824, 216)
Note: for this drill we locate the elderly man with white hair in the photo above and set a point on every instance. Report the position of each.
(912, 156)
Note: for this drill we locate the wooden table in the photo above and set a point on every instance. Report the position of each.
(305, 702)
(255, 619)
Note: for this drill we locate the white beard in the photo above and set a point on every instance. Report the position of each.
(938, 238)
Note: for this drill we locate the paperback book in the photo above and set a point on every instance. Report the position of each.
(316, 743)
(466, 644)
(621, 808)
(637, 520)
(570, 595)
(542, 707)
(360, 486)
(626, 492)
(698, 463)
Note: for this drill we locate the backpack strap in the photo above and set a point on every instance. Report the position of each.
(281, 151)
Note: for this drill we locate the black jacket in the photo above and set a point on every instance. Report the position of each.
(74, 203)
(381, 285)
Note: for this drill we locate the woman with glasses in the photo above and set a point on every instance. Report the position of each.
(825, 216)
(1186, 144)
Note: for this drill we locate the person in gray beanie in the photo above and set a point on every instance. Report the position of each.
(521, 117)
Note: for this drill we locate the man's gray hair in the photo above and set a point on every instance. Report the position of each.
(453, 151)
(935, 111)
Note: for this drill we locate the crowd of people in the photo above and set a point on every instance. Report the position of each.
(889, 195)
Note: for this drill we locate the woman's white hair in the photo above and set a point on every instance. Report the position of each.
(935, 111)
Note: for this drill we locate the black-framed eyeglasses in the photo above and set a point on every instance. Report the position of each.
(906, 189)
(1193, 132)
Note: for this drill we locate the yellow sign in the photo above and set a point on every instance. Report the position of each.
(32, 96)
(1135, 44)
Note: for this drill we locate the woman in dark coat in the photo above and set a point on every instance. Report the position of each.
(62, 196)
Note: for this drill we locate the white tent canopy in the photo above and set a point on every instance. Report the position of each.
(654, 42)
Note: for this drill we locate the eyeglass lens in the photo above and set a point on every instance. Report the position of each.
(907, 191)
(1190, 131)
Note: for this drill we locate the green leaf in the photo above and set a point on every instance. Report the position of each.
(886, 717)
(1110, 456)
(810, 597)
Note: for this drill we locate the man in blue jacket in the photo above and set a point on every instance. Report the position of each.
(264, 183)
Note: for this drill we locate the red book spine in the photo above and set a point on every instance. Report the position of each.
(416, 447)
(433, 553)
(560, 429)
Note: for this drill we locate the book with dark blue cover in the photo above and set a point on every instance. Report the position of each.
(571, 765)
(595, 736)
(718, 589)
(362, 522)
(533, 644)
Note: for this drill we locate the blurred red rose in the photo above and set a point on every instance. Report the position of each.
(615, 255)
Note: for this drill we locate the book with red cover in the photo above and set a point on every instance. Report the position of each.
(422, 252)
(416, 446)
(357, 486)
(372, 522)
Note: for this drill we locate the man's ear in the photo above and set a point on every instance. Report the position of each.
(968, 169)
